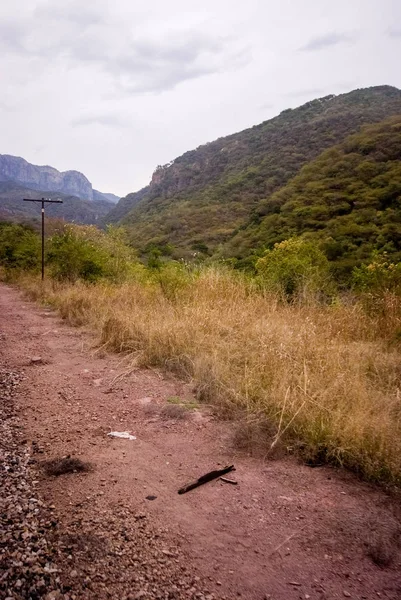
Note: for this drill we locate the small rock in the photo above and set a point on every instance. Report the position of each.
(139, 516)
(146, 400)
(346, 594)
(53, 595)
(36, 360)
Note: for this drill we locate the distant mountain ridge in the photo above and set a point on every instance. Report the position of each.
(73, 209)
(20, 179)
(212, 200)
(111, 197)
(19, 170)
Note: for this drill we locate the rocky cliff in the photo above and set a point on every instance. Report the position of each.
(73, 209)
(13, 168)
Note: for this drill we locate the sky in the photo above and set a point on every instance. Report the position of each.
(115, 88)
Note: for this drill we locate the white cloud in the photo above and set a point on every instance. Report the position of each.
(136, 63)
(327, 40)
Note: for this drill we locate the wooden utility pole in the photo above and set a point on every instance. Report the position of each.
(43, 200)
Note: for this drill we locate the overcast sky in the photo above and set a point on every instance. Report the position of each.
(114, 88)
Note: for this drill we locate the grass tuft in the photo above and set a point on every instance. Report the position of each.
(62, 466)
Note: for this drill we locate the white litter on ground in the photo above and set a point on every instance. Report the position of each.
(122, 434)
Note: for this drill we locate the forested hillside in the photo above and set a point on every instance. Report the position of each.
(349, 198)
(212, 200)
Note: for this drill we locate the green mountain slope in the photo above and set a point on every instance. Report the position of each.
(207, 197)
(349, 198)
(125, 205)
(73, 209)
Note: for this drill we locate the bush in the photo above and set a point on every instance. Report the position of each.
(172, 277)
(294, 268)
(78, 252)
(19, 248)
(379, 275)
(72, 255)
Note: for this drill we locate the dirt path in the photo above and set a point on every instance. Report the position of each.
(327, 526)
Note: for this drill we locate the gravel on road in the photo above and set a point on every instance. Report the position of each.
(121, 556)
(27, 564)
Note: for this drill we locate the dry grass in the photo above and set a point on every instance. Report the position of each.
(254, 434)
(326, 378)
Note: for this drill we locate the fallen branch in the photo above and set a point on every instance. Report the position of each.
(228, 480)
(205, 478)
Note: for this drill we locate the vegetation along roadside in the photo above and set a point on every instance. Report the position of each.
(320, 368)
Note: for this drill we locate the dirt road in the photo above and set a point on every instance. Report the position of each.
(285, 532)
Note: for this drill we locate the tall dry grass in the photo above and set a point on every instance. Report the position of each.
(325, 377)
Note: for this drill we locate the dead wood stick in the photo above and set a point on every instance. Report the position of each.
(228, 480)
(205, 478)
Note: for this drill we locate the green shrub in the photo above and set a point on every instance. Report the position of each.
(379, 275)
(73, 257)
(122, 263)
(294, 268)
(85, 252)
(172, 277)
(19, 248)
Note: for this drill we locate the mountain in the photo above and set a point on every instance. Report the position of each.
(74, 183)
(19, 178)
(125, 205)
(99, 196)
(212, 200)
(110, 197)
(12, 206)
(14, 168)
